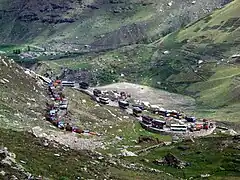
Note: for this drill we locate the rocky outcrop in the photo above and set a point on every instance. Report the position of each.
(171, 160)
(77, 75)
(10, 169)
(67, 140)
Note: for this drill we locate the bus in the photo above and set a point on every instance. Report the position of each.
(156, 123)
(147, 119)
(68, 83)
(178, 127)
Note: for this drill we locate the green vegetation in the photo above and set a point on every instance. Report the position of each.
(217, 156)
(104, 25)
(125, 44)
(172, 63)
(71, 164)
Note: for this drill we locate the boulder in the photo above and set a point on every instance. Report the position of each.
(125, 152)
(2, 173)
(171, 160)
(38, 132)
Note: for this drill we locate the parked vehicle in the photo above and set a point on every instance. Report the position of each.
(190, 119)
(64, 101)
(175, 114)
(68, 83)
(63, 106)
(198, 126)
(147, 119)
(97, 92)
(53, 112)
(156, 123)
(154, 109)
(138, 106)
(104, 100)
(123, 104)
(137, 111)
(83, 85)
(162, 113)
(178, 127)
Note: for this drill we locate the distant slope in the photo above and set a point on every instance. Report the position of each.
(104, 24)
(219, 27)
(195, 60)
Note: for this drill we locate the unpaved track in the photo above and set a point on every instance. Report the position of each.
(154, 96)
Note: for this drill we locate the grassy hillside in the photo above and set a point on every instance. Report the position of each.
(22, 105)
(22, 97)
(67, 164)
(215, 156)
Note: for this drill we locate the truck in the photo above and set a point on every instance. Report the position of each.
(97, 92)
(123, 104)
(147, 119)
(104, 100)
(83, 85)
(137, 111)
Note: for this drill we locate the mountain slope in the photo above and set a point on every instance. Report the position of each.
(103, 24)
(199, 60)
(22, 97)
(51, 152)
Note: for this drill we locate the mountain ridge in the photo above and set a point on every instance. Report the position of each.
(102, 24)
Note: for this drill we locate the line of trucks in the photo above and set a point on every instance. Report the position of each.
(171, 119)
